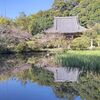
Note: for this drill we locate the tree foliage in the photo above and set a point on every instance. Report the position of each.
(5, 21)
(40, 22)
(88, 11)
(22, 21)
(80, 43)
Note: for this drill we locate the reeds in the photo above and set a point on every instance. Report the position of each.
(84, 60)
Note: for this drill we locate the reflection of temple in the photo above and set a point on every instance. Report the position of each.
(62, 74)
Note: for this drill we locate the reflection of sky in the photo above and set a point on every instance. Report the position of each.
(78, 98)
(15, 90)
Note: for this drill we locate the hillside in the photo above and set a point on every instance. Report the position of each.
(88, 11)
(23, 27)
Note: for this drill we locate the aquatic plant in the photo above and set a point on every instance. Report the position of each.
(84, 60)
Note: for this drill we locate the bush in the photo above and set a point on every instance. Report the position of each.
(60, 42)
(80, 43)
(34, 45)
(3, 49)
(97, 48)
(97, 40)
(21, 47)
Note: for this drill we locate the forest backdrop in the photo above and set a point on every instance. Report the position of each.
(25, 33)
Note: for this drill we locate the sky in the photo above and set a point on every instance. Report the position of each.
(14, 7)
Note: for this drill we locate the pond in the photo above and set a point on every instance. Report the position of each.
(39, 77)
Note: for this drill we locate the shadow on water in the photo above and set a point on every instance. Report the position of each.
(37, 71)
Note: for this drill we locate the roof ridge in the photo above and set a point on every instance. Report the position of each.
(67, 17)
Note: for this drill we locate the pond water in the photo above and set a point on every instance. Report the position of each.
(38, 77)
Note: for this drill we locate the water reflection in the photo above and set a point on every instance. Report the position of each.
(37, 77)
(62, 74)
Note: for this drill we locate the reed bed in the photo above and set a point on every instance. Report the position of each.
(84, 60)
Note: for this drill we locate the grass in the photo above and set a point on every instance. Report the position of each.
(84, 60)
(55, 50)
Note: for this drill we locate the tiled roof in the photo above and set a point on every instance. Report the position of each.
(66, 25)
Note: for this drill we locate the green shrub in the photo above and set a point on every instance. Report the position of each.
(3, 48)
(21, 47)
(97, 48)
(80, 43)
(60, 42)
(97, 40)
(34, 44)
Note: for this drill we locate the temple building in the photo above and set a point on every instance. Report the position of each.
(68, 26)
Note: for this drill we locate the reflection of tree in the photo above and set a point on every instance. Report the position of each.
(65, 90)
(88, 86)
(11, 64)
(7, 62)
(35, 74)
